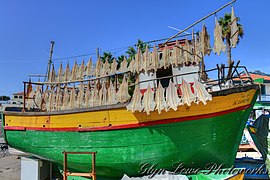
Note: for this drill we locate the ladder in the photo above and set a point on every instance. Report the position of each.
(91, 173)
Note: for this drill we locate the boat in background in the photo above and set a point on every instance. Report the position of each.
(259, 132)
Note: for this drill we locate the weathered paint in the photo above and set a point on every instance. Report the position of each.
(126, 126)
(195, 142)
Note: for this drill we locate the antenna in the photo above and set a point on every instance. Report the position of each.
(179, 30)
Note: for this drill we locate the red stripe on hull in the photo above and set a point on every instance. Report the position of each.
(15, 128)
(128, 126)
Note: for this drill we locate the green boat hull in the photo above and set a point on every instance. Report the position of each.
(194, 143)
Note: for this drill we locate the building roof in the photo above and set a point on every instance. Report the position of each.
(18, 93)
(171, 44)
(257, 76)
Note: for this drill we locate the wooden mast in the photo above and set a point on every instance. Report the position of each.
(49, 62)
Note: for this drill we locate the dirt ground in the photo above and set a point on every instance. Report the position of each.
(10, 168)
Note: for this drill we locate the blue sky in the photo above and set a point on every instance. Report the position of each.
(79, 27)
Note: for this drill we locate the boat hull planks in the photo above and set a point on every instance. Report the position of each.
(194, 135)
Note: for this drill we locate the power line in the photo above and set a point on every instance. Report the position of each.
(115, 50)
(73, 57)
(177, 35)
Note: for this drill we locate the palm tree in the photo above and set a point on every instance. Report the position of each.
(132, 51)
(107, 55)
(142, 45)
(225, 23)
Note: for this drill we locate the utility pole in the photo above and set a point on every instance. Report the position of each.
(97, 53)
(49, 62)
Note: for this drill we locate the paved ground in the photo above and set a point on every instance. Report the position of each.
(10, 168)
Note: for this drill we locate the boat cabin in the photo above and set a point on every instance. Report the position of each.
(172, 72)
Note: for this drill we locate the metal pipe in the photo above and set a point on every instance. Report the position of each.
(24, 96)
(97, 78)
(156, 79)
(218, 76)
(200, 20)
(97, 53)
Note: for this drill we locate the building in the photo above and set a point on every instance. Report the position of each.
(17, 98)
(262, 105)
(15, 104)
(264, 84)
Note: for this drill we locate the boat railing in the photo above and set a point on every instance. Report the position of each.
(227, 77)
(238, 77)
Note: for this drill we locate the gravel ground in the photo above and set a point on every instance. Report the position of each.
(10, 168)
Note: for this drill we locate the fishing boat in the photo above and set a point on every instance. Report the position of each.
(195, 135)
(170, 114)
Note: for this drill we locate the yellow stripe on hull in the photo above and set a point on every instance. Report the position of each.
(116, 117)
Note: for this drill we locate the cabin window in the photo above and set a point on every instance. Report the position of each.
(164, 73)
(15, 97)
(13, 102)
(160, 56)
(20, 97)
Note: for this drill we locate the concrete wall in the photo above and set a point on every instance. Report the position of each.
(147, 76)
(185, 69)
(33, 168)
(175, 71)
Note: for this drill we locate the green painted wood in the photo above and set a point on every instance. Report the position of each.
(119, 152)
